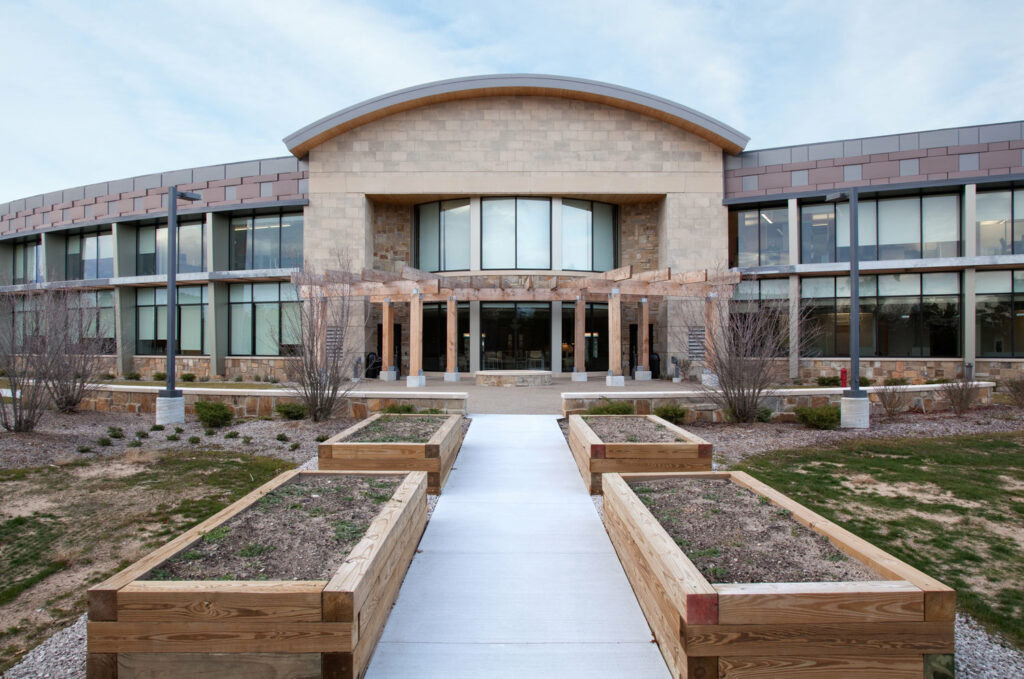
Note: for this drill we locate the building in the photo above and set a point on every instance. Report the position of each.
(514, 175)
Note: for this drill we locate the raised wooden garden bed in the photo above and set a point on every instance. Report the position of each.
(434, 456)
(143, 627)
(594, 456)
(899, 625)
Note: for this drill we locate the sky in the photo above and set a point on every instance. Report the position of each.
(95, 91)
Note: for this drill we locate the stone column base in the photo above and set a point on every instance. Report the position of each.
(170, 410)
(451, 377)
(579, 377)
(855, 413)
(615, 381)
(388, 375)
(641, 375)
(416, 381)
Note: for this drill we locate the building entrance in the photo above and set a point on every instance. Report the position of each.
(515, 336)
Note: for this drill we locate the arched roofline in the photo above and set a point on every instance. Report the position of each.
(314, 134)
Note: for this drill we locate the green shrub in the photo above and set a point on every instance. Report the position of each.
(173, 437)
(213, 414)
(819, 417)
(396, 409)
(106, 376)
(271, 379)
(135, 444)
(209, 432)
(432, 411)
(159, 376)
(320, 438)
(895, 381)
(142, 434)
(238, 378)
(294, 446)
(115, 432)
(941, 380)
(829, 381)
(231, 435)
(672, 413)
(84, 449)
(764, 415)
(247, 440)
(157, 427)
(132, 375)
(104, 441)
(193, 440)
(611, 408)
(291, 411)
(1014, 387)
(188, 377)
(865, 381)
(282, 437)
(179, 430)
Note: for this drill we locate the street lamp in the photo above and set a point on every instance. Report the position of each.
(170, 404)
(855, 407)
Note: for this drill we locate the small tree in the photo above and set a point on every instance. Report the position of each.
(892, 395)
(961, 393)
(24, 361)
(75, 341)
(324, 354)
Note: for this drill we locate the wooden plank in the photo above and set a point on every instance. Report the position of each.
(219, 637)
(878, 638)
(103, 597)
(379, 451)
(580, 436)
(691, 276)
(639, 465)
(387, 341)
(645, 450)
(415, 335)
(579, 355)
(615, 334)
(179, 601)
(449, 450)
(819, 602)
(101, 666)
(219, 665)
(654, 275)
(690, 592)
(379, 276)
(337, 438)
(830, 667)
(413, 274)
(362, 464)
(452, 336)
(939, 600)
(642, 477)
(678, 431)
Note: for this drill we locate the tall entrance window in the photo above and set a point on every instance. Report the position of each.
(442, 235)
(435, 337)
(595, 337)
(515, 336)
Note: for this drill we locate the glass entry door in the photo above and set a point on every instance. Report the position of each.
(515, 336)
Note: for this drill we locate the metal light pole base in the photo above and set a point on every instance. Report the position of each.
(451, 377)
(855, 413)
(170, 409)
(416, 381)
(388, 375)
(677, 380)
(642, 375)
(709, 380)
(615, 381)
(579, 377)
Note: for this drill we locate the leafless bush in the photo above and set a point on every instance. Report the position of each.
(1015, 389)
(74, 342)
(23, 361)
(961, 394)
(893, 398)
(325, 352)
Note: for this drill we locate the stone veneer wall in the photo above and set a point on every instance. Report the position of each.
(392, 236)
(248, 367)
(197, 365)
(638, 235)
(998, 370)
(914, 370)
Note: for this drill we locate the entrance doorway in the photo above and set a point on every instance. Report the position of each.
(515, 335)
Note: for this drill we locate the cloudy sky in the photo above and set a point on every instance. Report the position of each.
(98, 91)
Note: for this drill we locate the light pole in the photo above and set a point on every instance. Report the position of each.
(855, 405)
(170, 404)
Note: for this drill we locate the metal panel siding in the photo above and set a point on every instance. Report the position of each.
(176, 177)
(1001, 132)
(248, 169)
(909, 142)
(96, 190)
(824, 151)
(936, 138)
(210, 173)
(880, 145)
(147, 181)
(119, 186)
(77, 193)
(279, 165)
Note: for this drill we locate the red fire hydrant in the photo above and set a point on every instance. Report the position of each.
(842, 377)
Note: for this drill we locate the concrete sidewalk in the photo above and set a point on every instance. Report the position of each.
(516, 577)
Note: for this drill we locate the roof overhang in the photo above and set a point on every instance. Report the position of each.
(729, 139)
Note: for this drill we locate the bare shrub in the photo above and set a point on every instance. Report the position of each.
(893, 398)
(75, 342)
(961, 394)
(1015, 390)
(23, 361)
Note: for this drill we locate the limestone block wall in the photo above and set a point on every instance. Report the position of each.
(392, 236)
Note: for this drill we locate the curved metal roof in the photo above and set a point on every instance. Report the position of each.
(301, 141)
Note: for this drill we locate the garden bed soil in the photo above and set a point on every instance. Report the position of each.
(731, 535)
(303, 530)
(394, 429)
(627, 429)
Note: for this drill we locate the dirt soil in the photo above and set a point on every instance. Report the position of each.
(732, 535)
(59, 438)
(399, 428)
(303, 530)
(626, 429)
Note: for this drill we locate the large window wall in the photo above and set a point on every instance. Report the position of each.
(912, 227)
(515, 233)
(264, 319)
(28, 263)
(515, 336)
(89, 256)
(901, 315)
(442, 235)
(1000, 222)
(1000, 313)
(266, 242)
(589, 235)
(762, 237)
(151, 320)
(151, 249)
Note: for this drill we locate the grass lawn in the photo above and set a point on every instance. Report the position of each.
(952, 507)
(66, 527)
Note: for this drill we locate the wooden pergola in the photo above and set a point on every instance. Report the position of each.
(618, 286)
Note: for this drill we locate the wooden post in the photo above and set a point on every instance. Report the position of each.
(645, 348)
(615, 378)
(710, 327)
(387, 340)
(452, 372)
(579, 352)
(416, 378)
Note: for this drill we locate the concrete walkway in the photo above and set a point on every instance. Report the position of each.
(516, 575)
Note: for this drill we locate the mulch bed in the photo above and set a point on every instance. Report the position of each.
(302, 530)
(732, 535)
(394, 429)
(626, 429)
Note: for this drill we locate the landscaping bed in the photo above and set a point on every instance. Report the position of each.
(287, 617)
(381, 442)
(896, 623)
(631, 443)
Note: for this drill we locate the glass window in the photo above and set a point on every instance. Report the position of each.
(940, 226)
(533, 233)
(498, 233)
(145, 251)
(151, 320)
(190, 248)
(264, 320)
(241, 250)
(28, 264)
(899, 228)
(867, 231)
(1018, 222)
(455, 234)
(748, 244)
(266, 242)
(993, 282)
(428, 226)
(1000, 313)
(899, 284)
(73, 258)
(774, 236)
(291, 241)
(604, 237)
(89, 256)
(577, 230)
(818, 234)
(994, 229)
